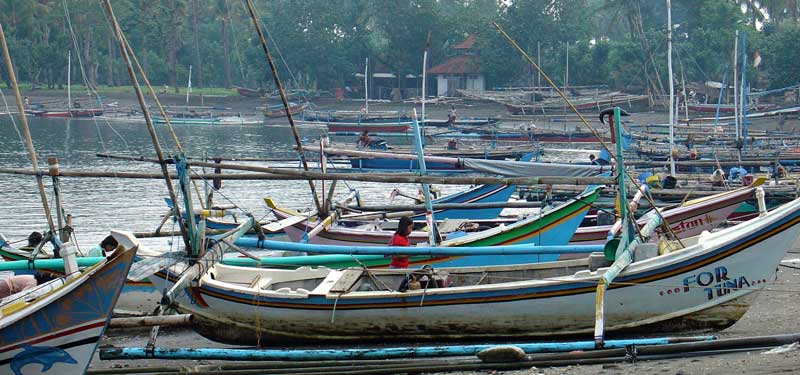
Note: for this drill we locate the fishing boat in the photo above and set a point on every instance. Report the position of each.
(581, 104)
(72, 113)
(462, 121)
(278, 110)
(204, 119)
(726, 108)
(400, 158)
(251, 93)
(136, 297)
(73, 109)
(478, 194)
(371, 127)
(544, 136)
(708, 284)
(56, 326)
(551, 227)
(686, 219)
(356, 116)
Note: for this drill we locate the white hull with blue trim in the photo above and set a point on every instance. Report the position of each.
(709, 284)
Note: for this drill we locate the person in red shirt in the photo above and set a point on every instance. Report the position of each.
(400, 238)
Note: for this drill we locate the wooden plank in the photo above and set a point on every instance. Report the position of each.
(346, 281)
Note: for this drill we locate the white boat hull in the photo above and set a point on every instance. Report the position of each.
(707, 285)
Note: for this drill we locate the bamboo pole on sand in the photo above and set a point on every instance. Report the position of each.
(678, 349)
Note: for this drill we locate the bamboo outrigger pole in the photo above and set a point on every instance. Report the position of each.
(28, 142)
(285, 102)
(148, 120)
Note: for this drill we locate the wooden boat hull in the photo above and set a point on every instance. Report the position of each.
(136, 297)
(725, 108)
(250, 93)
(707, 285)
(372, 127)
(281, 112)
(72, 113)
(554, 137)
(685, 221)
(187, 120)
(553, 228)
(357, 116)
(58, 332)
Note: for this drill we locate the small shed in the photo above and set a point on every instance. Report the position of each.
(459, 72)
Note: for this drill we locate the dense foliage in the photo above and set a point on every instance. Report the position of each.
(323, 43)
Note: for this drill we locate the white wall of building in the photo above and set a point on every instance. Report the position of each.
(475, 83)
(441, 85)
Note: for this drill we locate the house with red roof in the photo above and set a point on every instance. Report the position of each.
(459, 72)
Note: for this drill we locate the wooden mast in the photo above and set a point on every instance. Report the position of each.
(26, 131)
(317, 203)
(671, 91)
(148, 120)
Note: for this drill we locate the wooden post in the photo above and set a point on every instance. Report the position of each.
(25, 130)
(53, 163)
(216, 184)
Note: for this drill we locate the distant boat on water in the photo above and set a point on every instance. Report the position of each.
(251, 93)
(89, 112)
(277, 110)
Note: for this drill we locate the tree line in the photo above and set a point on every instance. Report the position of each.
(321, 44)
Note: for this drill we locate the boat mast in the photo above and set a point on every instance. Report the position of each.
(366, 85)
(424, 77)
(285, 102)
(189, 86)
(671, 90)
(69, 81)
(566, 72)
(736, 108)
(743, 93)
(126, 53)
(539, 62)
(425, 187)
(25, 130)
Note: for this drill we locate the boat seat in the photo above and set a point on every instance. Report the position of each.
(597, 260)
(287, 290)
(346, 280)
(260, 282)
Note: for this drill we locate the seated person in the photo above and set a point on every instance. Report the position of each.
(33, 240)
(452, 144)
(15, 284)
(363, 140)
(105, 247)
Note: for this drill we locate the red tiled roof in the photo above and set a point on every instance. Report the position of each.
(462, 64)
(466, 44)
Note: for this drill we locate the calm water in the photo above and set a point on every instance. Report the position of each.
(101, 204)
